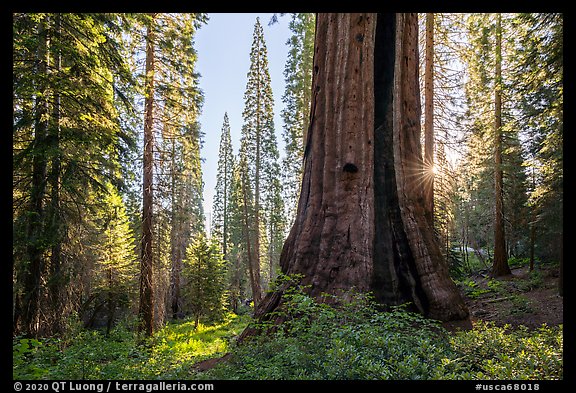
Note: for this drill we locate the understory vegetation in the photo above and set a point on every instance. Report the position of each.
(316, 341)
(90, 354)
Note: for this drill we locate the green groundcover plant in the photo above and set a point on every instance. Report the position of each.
(354, 340)
(357, 341)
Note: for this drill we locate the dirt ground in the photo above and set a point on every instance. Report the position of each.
(518, 299)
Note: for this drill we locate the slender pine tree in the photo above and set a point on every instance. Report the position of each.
(176, 101)
(224, 175)
(296, 114)
(115, 276)
(259, 153)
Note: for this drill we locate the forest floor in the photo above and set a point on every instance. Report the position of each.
(524, 298)
(352, 350)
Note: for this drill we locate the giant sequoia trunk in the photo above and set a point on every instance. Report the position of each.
(361, 222)
(428, 179)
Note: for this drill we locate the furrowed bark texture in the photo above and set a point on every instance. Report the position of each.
(500, 265)
(395, 278)
(443, 300)
(331, 240)
(428, 177)
(361, 221)
(146, 307)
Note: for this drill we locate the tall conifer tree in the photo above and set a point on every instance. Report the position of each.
(224, 175)
(117, 267)
(296, 115)
(146, 305)
(538, 92)
(497, 180)
(172, 94)
(68, 72)
(259, 153)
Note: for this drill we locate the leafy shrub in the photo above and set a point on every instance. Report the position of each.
(534, 280)
(353, 341)
(495, 286)
(90, 354)
(471, 289)
(356, 341)
(23, 353)
(520, 305)
(515, 262)
(491, 352)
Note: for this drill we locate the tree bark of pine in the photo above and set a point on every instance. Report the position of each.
(177, 238)
(360, 223)
(177, 252)
(428, 176)
(500, 264)
(255, 272)
(56, 283)
(26, 318)
(252, 271)
(146, 308)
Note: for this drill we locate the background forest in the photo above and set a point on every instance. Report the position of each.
(112, 246)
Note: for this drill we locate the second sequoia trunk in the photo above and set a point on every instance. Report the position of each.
(360, 223)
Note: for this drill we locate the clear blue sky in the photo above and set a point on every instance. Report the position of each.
(223, 47)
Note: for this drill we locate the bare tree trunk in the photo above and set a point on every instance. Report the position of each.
(428, 175)
(253, 272)
(500, 265)
(442, 299)
(56, 283)
(28, 307)
(532, 226)
(331, 240)
(111, 301)
(360, 223)
(146, 309)
(177, 244)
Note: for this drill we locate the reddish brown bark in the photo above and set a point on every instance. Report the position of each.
(332, 235)
(428, 176)
(146, 307)
(253, 267)
(441, 298)
(500, 265)
(360, 222)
